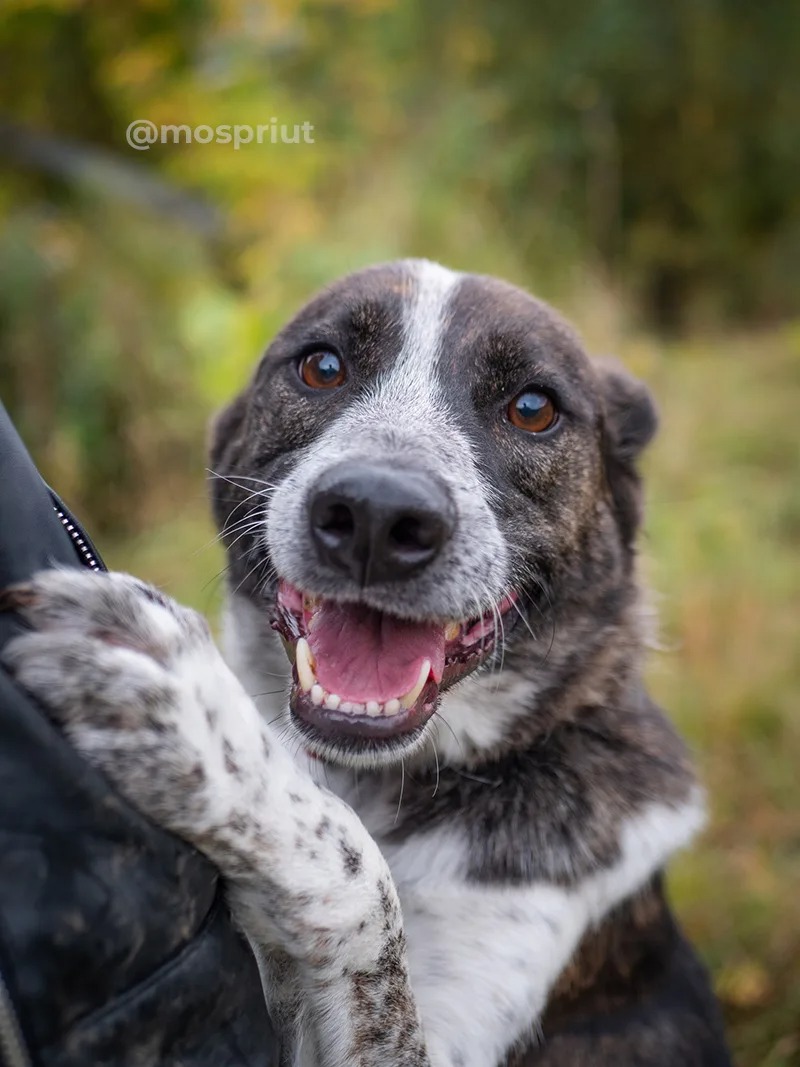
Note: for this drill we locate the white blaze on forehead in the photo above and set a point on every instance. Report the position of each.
(425, 319)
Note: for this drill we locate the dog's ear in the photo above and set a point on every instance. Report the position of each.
(225, 436)
(226, 439)
(630, 421)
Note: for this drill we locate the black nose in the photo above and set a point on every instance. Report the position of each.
(379, 523)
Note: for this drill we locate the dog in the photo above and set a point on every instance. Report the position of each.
(445, 835)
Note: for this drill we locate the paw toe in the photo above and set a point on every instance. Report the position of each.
(83, 679)
(114, 608)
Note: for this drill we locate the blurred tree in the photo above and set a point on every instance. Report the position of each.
(667, 134)
(659, 144)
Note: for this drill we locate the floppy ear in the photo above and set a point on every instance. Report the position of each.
(226, 438)
(629, 423)
(225, 432)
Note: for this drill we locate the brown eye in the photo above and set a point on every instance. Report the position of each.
(322, 370)
(532, 411)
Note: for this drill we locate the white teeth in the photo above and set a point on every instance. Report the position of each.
(412, 696)
(319, 697)
(304, 662)
(452, 630)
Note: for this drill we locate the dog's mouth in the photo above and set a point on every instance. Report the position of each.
(359, 673)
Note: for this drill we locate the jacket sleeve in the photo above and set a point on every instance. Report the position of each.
(115, 943)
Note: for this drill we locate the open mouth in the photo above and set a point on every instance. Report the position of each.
(359, 673)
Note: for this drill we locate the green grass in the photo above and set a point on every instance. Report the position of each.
(722, 552)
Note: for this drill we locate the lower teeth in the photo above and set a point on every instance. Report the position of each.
(306, 677)
(333, 702)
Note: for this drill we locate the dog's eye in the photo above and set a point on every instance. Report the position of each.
(322, 370)
(532, 411)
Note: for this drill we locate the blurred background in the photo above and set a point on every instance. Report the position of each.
(637, 164)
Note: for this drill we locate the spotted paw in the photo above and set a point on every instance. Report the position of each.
(140, 689)
(138, 686)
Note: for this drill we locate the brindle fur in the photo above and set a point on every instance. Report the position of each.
(533, 788)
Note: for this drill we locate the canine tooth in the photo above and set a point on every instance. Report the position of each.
(391, 707)
(412, 696)
(305, 665)
(317, 694)
(332, 701)
(373, 708)
(452, 630)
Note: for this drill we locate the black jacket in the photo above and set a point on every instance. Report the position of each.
(115, 944)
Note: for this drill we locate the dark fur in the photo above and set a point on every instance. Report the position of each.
(634, 995)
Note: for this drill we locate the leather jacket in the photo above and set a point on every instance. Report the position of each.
(115, 944)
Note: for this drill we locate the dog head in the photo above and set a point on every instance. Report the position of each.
(424, 469)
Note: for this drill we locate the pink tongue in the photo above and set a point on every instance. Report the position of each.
(363, 655)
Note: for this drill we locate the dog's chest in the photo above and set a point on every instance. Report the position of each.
(420, 860)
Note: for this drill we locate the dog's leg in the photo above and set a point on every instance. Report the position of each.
(141, 690)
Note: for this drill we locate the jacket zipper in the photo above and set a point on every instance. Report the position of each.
(80, 539)
(12, 1047)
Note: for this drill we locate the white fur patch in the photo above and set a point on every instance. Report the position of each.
(483, 959)
(475, 715)
(424, 324)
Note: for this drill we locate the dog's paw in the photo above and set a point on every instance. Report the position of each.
(140, 689)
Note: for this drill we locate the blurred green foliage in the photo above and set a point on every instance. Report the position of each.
(636, 163)
(648, 149)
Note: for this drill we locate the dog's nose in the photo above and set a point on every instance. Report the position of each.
(379, 523)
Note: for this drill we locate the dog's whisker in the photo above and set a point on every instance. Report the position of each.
(259, 563)
(229, 526)
(243, 520)
(248, 527)
(248, 499)
(525, 622)
(270, 575)
(499, 622)
(255, 525)
(402, 788)
(436, 757)
(456, 738)
(241, 478)
(541, 585)
(216, 577)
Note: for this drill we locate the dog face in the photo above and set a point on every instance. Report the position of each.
(425, 466)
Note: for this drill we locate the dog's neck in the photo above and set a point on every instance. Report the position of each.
(536, 768)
